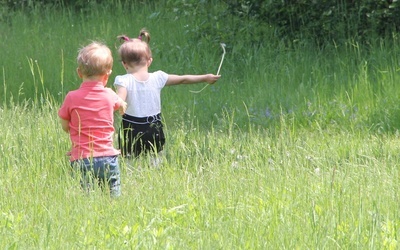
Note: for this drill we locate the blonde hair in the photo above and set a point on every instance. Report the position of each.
(135, 51)
(95, 59)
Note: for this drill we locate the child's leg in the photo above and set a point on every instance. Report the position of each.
(113, 177)
(107, 171)
(156, 159)
(83, 169)
(126, 139)
(149, 138)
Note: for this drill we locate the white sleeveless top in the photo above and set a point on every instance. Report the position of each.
(143, 97)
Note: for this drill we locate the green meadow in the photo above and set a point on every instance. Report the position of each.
(295, 147)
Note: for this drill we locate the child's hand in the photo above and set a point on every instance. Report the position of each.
(211, 78)
(123, 107)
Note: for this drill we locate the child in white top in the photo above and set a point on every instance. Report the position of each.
(141, 123)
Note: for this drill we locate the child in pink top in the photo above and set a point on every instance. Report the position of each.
(87, 114)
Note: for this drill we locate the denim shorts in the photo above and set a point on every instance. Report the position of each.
(103, 170)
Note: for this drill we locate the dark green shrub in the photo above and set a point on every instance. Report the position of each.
(323, 20)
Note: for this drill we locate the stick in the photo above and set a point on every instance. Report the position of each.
(223, 45)
(223, 56)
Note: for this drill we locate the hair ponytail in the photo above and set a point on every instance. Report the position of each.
(123, 38)
(144, 35)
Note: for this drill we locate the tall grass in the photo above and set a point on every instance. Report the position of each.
(294, 148)
(225, 189)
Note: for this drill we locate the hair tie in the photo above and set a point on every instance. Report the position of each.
(140, 37)
(126, 39)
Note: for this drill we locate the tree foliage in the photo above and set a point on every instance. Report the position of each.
(293, 20)
(323, 20)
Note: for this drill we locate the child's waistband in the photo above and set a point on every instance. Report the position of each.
(142, 120)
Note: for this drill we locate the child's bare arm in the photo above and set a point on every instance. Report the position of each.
(122, 92)
(65, 125)
(189, 79)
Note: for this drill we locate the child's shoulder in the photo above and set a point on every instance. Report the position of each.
(124, 76)
(160, 74)
(122, 79)
(73, 92)
(109, 90)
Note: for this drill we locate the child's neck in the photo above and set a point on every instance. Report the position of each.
(141, 73)
(103, 79)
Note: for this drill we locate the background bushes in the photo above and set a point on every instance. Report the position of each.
(319, 21)
(323, 20)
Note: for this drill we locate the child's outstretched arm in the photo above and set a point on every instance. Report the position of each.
(189, 79)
